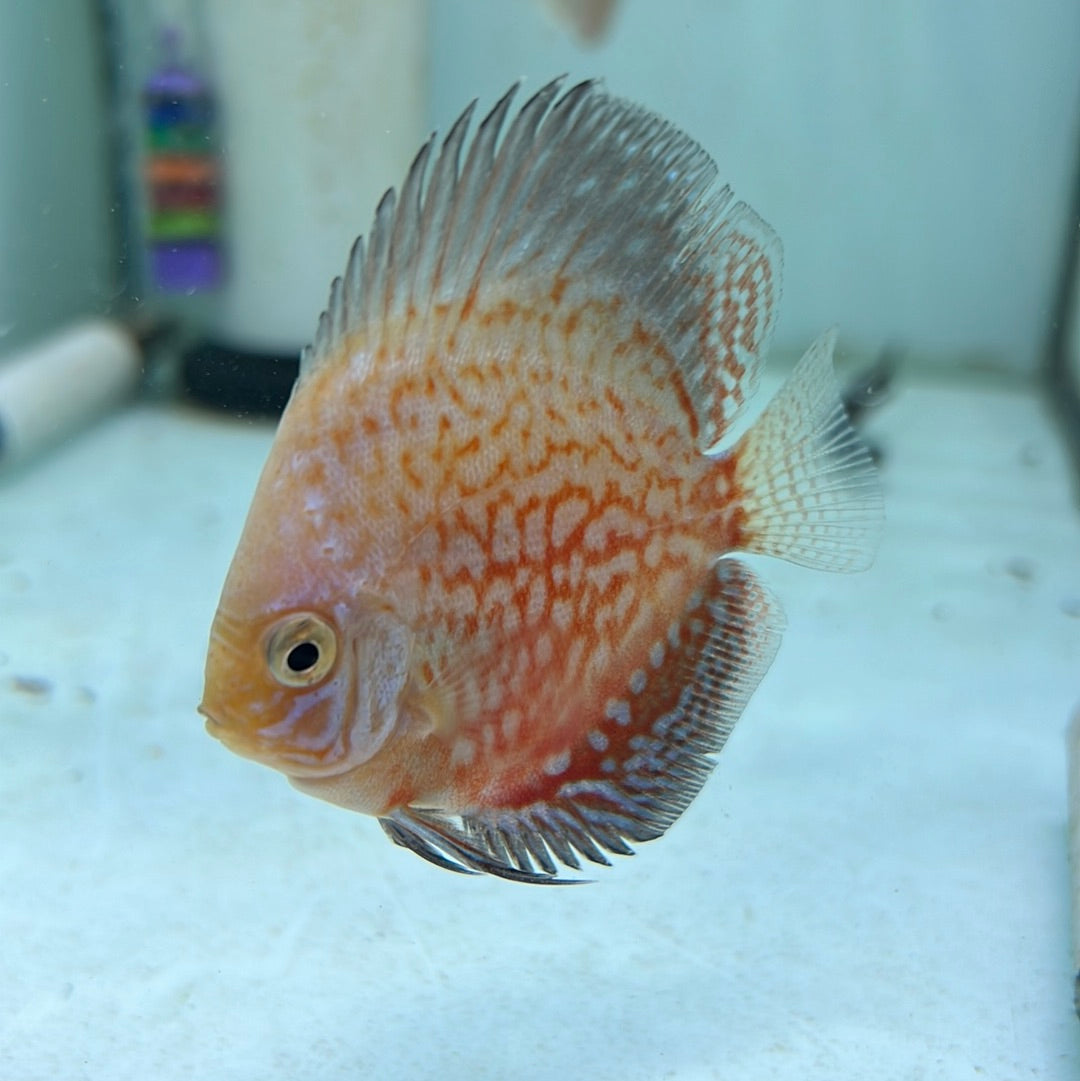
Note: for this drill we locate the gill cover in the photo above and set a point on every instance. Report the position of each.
(381, 650)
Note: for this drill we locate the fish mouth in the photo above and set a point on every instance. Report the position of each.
(246, 744)
(212, 725)
(216, 728)
(237, 735)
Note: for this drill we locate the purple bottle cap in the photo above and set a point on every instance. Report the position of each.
(174, 79)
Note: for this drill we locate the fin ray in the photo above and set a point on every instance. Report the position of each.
(435, 838)
(651, 767)
(811, 490)
(583, 199)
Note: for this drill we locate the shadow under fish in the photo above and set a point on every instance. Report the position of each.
(867, 391)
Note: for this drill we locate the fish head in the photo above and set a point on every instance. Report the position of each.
(308, 659)
(306, 685)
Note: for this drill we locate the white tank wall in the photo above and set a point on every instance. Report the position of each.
(915, 158)
(55, 247)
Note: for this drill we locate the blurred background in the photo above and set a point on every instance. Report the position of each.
(918, 160)
(874, 884)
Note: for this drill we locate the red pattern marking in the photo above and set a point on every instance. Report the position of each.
(511, 435)
(315, 473)
(409, 471)
(671, 375)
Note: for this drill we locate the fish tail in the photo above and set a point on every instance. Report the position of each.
(809, 491)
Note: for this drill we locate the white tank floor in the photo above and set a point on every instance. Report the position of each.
(872, 885)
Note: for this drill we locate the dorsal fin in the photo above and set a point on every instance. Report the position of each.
(584, 198)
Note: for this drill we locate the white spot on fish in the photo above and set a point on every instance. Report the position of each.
(609, 765)
(658, 504)
(545, 650)
(637, 681)
(463, 753)
(618, 710)
(511, 620)
(623, 564)
(598, 741)
(666, 721)
(653, 551)
(656, 654)
(625, 600)
(465, 552)
(599, 660)
(561, 614)
(577, 569)
(535, 541)
(537, 600)
(557, 764)
(567, 516)
(506, 539)
(612, 520)
(511, 722)
(498, 595)
(491, 694)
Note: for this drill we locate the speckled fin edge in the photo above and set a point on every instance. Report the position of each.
(660, 745)
(812, 494)
(585, 197)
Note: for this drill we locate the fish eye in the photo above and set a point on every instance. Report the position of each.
(301, 649)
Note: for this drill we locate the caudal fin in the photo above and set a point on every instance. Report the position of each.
(811, 493)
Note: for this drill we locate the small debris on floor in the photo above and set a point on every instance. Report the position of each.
(34, 686)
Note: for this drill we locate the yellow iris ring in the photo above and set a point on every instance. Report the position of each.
(301, 650)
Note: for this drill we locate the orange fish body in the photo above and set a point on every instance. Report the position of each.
(480, 592)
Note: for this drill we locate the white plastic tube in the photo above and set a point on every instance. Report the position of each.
(322, 110)
(50, 390)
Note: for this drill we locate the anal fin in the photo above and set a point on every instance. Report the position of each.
(641, 762)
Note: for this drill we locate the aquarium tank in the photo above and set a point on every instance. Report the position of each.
(608, 608)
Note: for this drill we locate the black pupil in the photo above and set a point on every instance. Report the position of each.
(302, 657)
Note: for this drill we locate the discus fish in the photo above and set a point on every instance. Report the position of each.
(485, 589)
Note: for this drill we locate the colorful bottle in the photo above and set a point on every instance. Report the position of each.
(183, 176)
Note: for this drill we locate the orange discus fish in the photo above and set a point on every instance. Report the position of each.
(484, 591)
